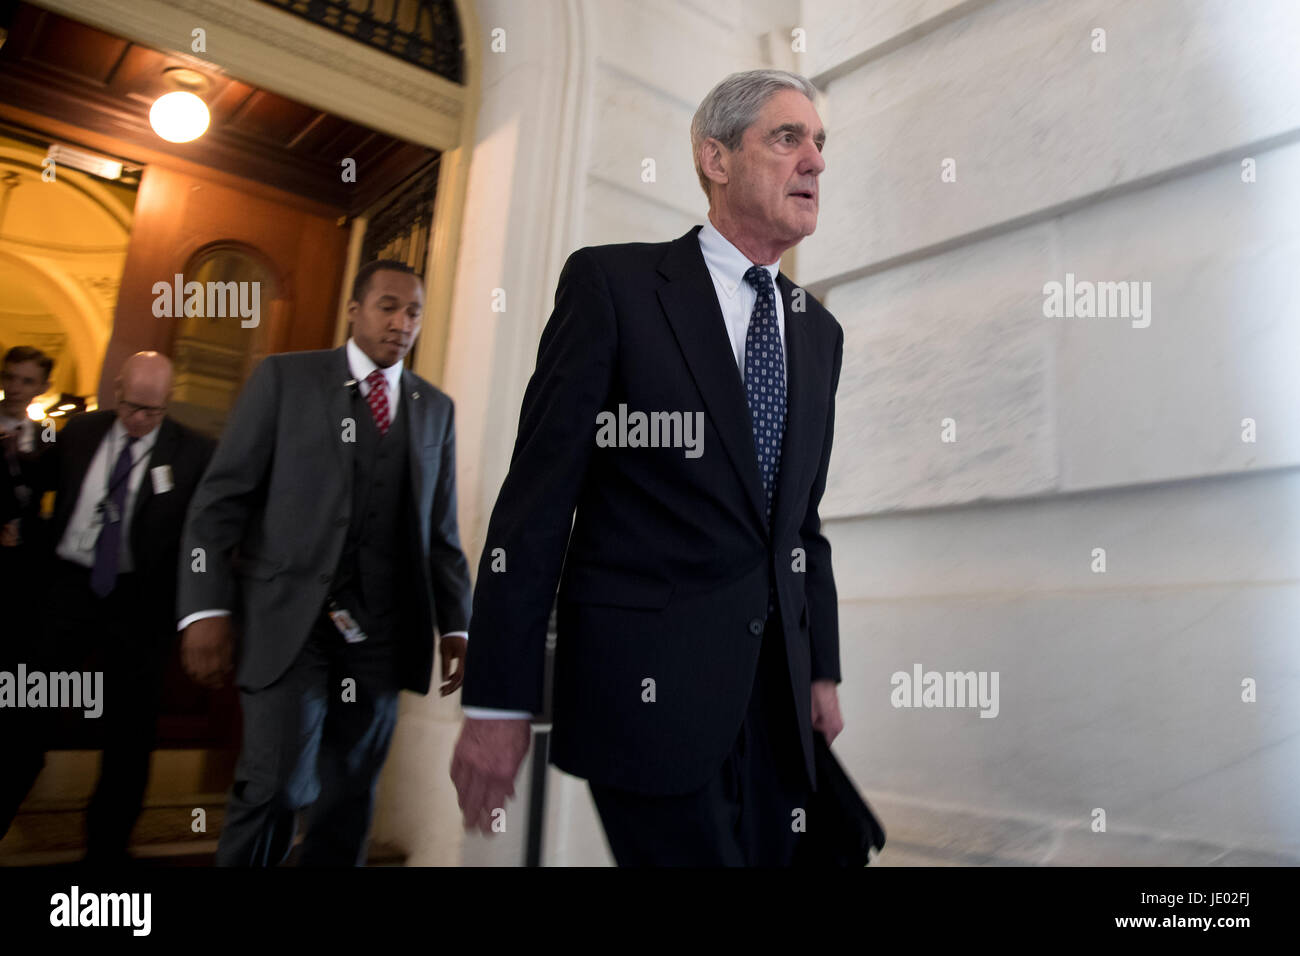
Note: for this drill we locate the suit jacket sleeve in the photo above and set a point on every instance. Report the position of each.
(41, 469)
(819, 583)
(530, 525)
(448, 569)
(232, 486)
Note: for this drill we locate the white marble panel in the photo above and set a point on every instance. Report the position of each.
(632, 124)
(1226, 529)
(1036, 120)
(574, 836)
(612, 214)
(1126, 701)
(957, 336)
(1168, 400)
(672, 47)
(415, 805)
(844, 30)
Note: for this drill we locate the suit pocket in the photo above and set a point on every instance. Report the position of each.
(591, 584)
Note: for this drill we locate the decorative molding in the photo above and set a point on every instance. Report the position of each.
(312, 47)
(277, 49)
(425, 33)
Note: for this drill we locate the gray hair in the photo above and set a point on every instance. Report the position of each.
(733, 105)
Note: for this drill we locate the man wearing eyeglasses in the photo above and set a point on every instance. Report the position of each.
(123, 479)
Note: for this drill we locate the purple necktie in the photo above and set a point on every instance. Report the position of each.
(108, 545)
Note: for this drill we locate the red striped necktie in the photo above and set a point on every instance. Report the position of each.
(377, 399)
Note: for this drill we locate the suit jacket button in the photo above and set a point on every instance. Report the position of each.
(756, 627)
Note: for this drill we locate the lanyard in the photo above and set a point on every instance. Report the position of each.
(111, 463)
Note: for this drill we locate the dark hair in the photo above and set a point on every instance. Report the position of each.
(361, 284)
(25, 353)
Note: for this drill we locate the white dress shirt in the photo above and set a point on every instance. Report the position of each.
(23, 427)
(23, 433)
(78, 541)
(360, 365)
(727, 267)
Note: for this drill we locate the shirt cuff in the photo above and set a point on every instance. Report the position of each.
(492, 713)
(464, 634)
(199, 615)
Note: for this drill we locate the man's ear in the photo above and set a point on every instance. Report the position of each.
(711, 161)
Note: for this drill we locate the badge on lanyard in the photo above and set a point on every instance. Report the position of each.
(348, 627)
(162, 479)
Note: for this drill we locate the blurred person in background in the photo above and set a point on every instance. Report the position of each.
(24, 375)
(122, 480)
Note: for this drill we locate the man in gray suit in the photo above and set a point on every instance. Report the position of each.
(324, 534)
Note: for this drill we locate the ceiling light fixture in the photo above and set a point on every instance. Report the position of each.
(181, 116)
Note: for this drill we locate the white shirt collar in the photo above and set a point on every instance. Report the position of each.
(118, 435)
(361, 366)
(727, 262)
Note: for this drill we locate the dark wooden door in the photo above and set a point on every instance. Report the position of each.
(300, 249)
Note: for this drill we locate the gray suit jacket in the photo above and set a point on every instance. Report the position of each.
(272, 511)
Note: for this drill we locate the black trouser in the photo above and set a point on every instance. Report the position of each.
(117, 637)
(746, 815)
(305, 744)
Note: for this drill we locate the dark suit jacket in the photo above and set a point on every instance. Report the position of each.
(29, 474)
(272, 515)
(9, 507)
(156, 519)
(665, 573)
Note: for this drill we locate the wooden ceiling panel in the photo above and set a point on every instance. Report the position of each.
(319, 135)
(228, 98)
(267, 117)
(83, 76)
(78, 50)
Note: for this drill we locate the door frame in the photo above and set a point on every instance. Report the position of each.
(285, 54)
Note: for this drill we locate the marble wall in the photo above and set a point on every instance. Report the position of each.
(1119, 689)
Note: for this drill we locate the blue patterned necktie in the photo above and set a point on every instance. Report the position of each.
(108, 546)
(765, 381)
(765, 390)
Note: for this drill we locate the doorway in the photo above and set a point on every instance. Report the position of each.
(261, 199)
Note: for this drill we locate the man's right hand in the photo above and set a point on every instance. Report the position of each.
(484, 766)
(206, 650)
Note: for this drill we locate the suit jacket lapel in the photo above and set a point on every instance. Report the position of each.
(416, 412)
(691, 304)
(161, 454)
(337, 389)
(795, 449)
(74, 468)
(86, 453)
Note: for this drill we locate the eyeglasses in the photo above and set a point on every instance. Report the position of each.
(149, 411)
